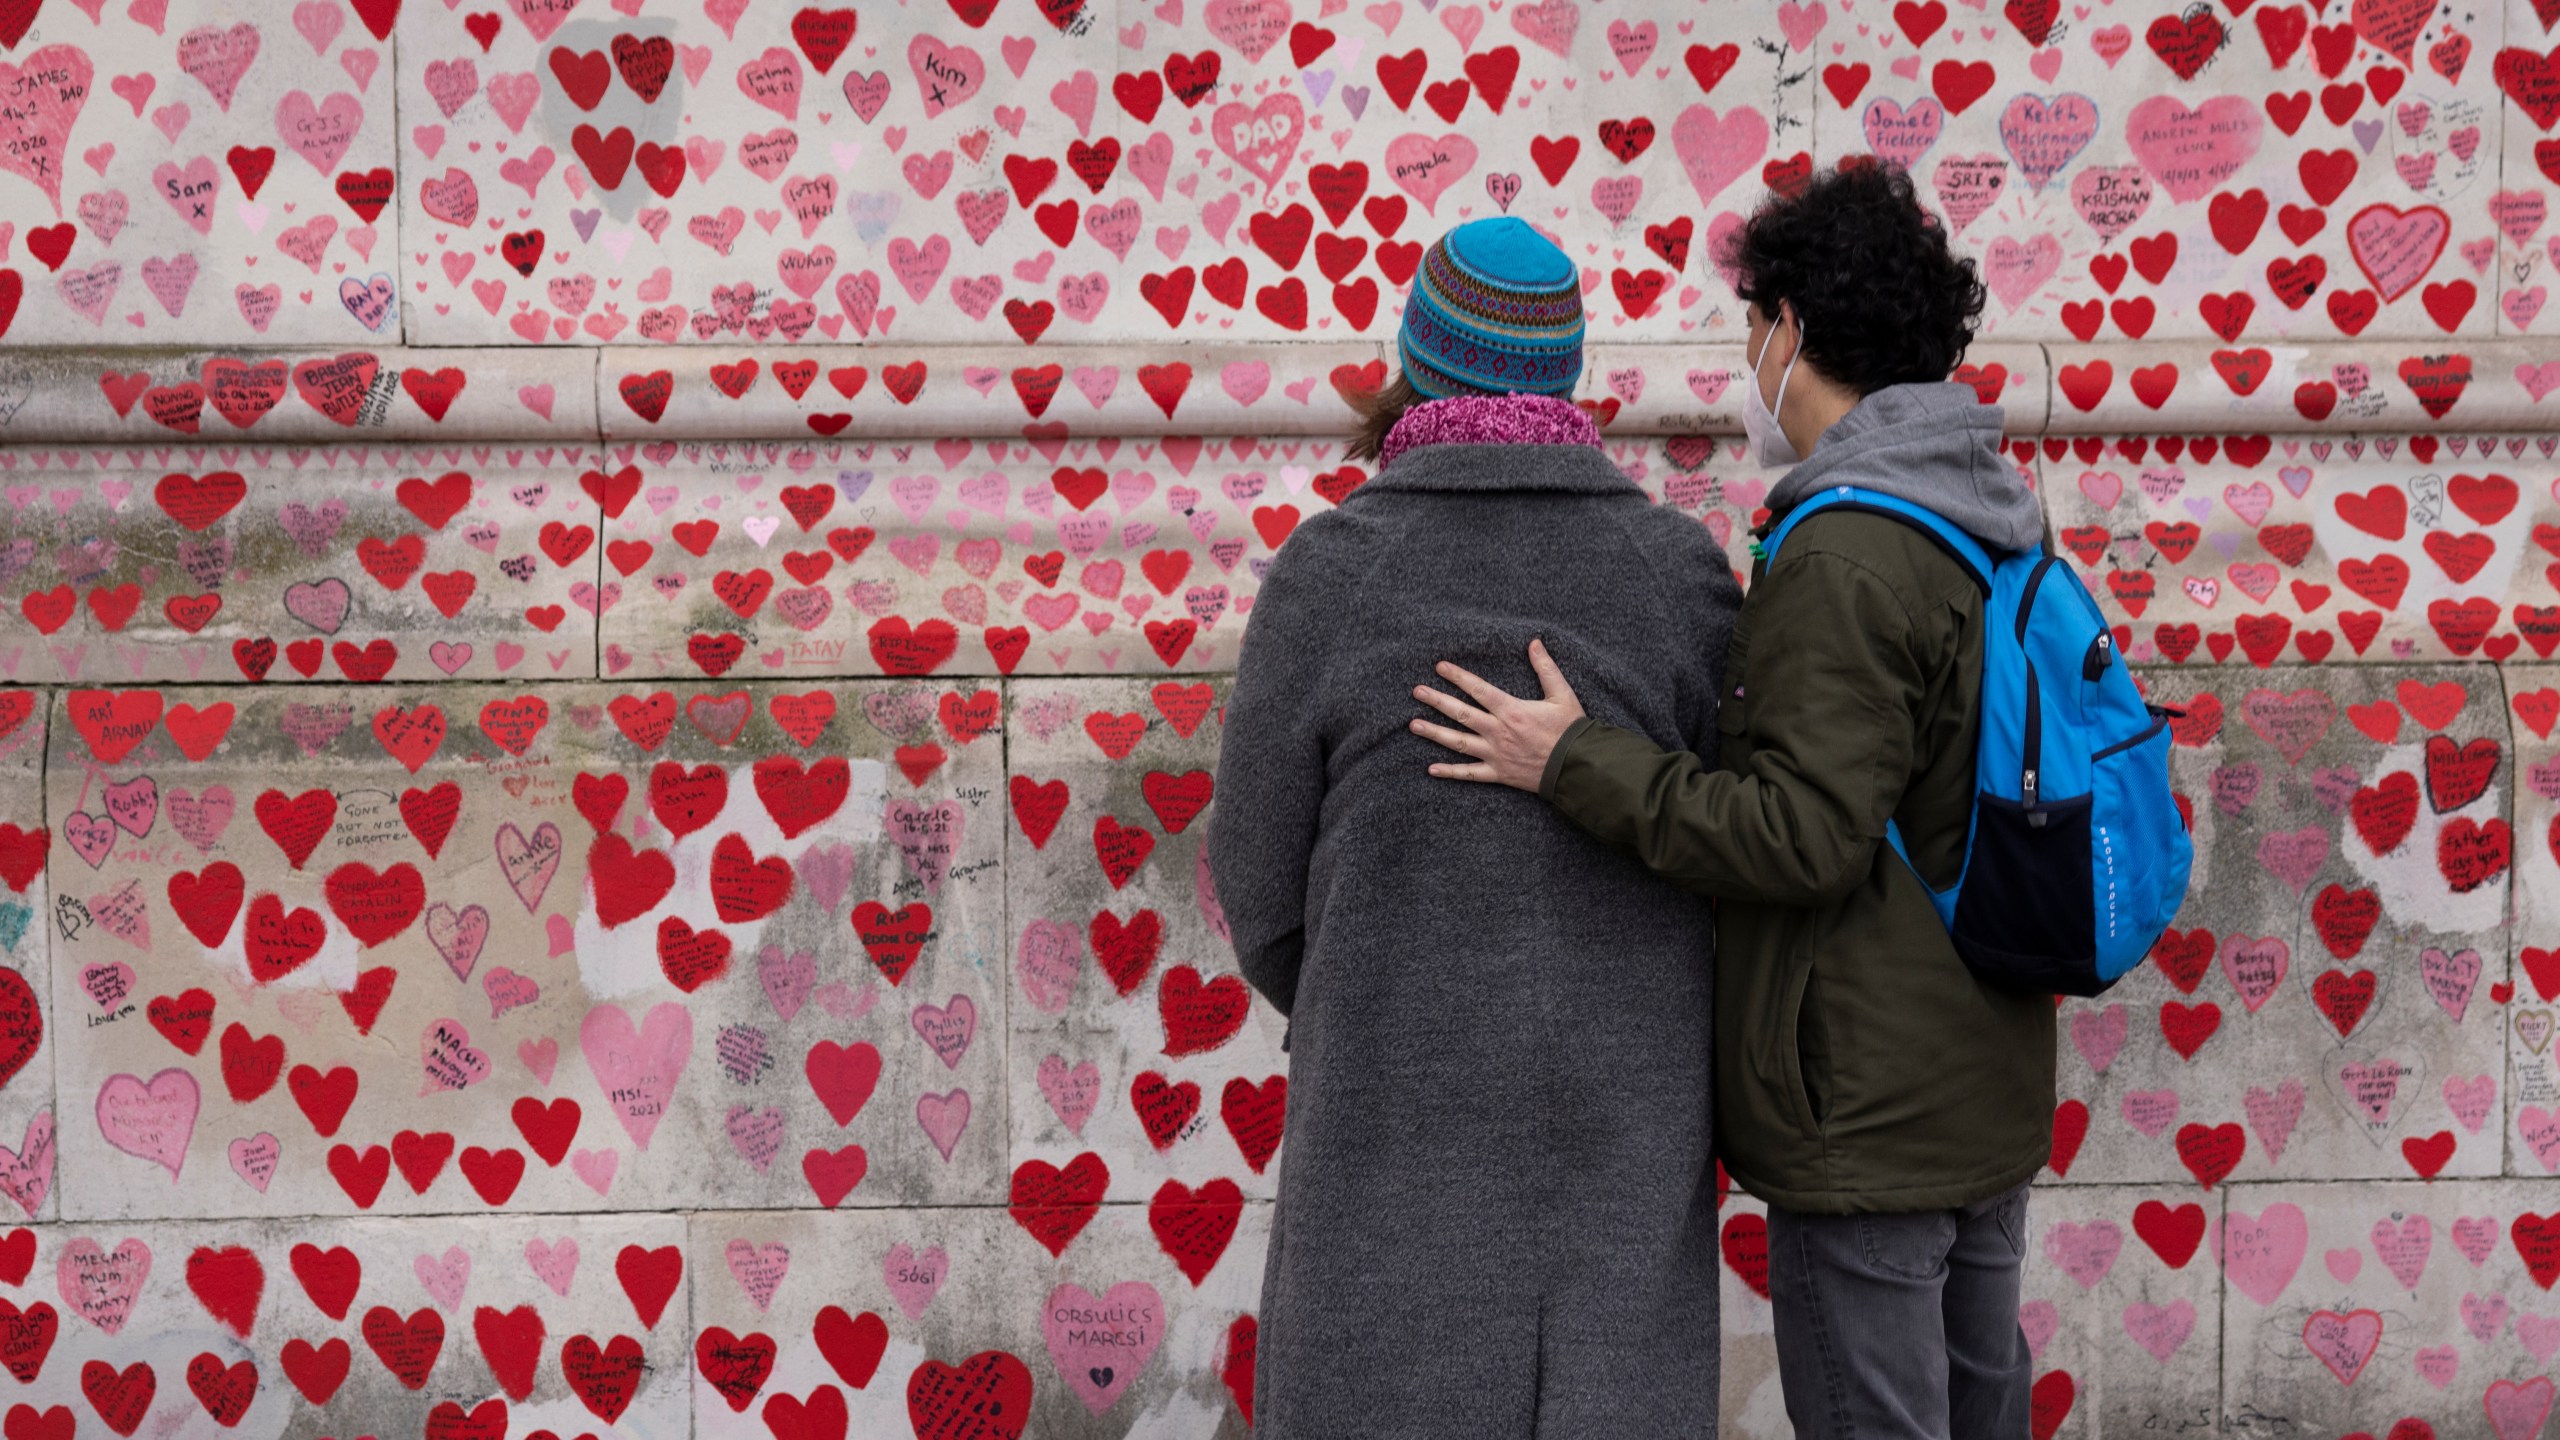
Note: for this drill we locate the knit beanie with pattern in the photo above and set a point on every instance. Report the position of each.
(1496, 308)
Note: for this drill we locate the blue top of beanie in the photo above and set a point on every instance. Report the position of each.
(1508, 252)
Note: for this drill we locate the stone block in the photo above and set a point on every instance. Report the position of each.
(1106, 1320)
(2390, 548)
(2328, 1003)
(30, 1014)
(476, 940)
(956, 557)
(266, 1328)
(2369, 1307)
(2533, 1066)
(196, 173)
(2164, 174)
(285, 565)
(1137, 1050)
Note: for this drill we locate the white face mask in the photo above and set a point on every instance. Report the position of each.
(1759, 420)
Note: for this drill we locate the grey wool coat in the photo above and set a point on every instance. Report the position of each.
(1497, 1210)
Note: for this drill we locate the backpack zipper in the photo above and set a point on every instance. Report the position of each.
(2034, 746)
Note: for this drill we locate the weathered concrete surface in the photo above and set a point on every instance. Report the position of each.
(1115, 1319)
(2084, 174)
(224, 564)
(29, 1020)
(2533, 1064)
(2356, 1307)
(2326, 1006)
(196, 172)
(393, 1327)
(1133, 1038)
(953, 557)
(2245, 550)
(922, 175)
(748, 931)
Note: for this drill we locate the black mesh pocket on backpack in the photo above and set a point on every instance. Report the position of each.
(2026, 920)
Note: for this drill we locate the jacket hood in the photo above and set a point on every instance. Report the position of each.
(1931, 444)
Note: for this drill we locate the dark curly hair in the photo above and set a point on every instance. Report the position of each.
(1867, 268)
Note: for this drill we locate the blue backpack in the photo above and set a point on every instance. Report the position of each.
(2076, 856)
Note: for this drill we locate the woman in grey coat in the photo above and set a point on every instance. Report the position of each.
(1497, 1213)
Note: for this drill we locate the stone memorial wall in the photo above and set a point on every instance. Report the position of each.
(613, 620)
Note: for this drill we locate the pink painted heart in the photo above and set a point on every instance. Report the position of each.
(758, 1269)
(107, 985)
(1071, 1092)
(947, 1029)
(2255, 966)
(2261, 1253)
(191, 190)
(2044, 134)
(2085, 1252)
(150, 1119)
(2516, 1410)
(1250, 27)
(1102, 1343)
(443, 1276)
(786, 979)
(319, 132)
(26, 1173)
(943, 1118)
(2191, 151)
(254, 1159)
(946, 75)
(2160, 1329)
(44, 97)
(553, 1262)
(544, 16)
(2294, 856)
(637, 1066)
(507, 991)
(2039, 1320)
(914, 1279)
(2099, 1035)
(2344, 1342)
(100, 1285)
(1715, 150)
(756, 1134)
(457, 935)
(529, 862)
(218, 57)
(201, 818)
(1263, 138)
(2110, 198)
(448, 1058)
(1047, 963)
(2274, 1113)
(2016, 269)
(2404, 1247)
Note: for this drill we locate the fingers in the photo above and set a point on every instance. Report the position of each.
(1487, 694)
(1479, 772)
(1550, 679)
(1458, 740)
(1455, 708)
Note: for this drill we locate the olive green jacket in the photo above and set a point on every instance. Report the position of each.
(1859, 1065)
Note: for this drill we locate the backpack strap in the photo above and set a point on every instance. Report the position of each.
(1960, 547)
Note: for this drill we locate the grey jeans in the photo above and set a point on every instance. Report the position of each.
(1902, 1326)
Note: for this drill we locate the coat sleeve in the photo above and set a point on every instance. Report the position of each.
(1833, 694)
(1271, 772)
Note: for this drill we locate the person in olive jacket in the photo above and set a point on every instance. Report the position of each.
(1890, 1107)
